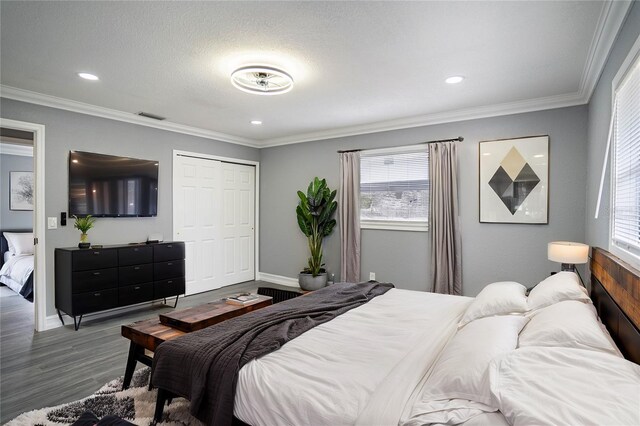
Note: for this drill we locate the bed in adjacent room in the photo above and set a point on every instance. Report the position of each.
(17, 257)
(413, 358)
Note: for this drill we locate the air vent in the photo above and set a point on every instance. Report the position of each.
(152, 116)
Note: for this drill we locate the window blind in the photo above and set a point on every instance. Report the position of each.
(626, 164)
(394, 186)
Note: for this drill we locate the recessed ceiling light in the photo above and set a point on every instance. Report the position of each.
(74, 161)
(454, 80)
(486, 154)
(539, 155)
(262, 80)
(256, 122)
(88, 76)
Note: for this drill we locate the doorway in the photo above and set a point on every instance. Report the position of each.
(214, 213)
(13, 129)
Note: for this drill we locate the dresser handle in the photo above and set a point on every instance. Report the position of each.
(96, 294)
(170, 282)
(169, 246)
(137, 288)
(95, 253)
(170, 264)
(96, 273)
(137, 268)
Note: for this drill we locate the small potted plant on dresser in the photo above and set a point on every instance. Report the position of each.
(315, 212)
(83, 224)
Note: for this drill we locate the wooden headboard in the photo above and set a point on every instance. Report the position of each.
(615, 291)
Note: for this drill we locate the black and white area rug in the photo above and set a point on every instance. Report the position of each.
(135, 404)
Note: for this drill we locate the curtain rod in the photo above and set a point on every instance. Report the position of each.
(458, 139)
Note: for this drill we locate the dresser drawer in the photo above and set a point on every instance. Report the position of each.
(100, 279)
(94, 259)
(132, 294)
(168, 288)
(135, 255)
(166, 270)
(169, 251)
(135, 274)
(84, 303)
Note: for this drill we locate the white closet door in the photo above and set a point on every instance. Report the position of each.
(197, 192)
(238, 222)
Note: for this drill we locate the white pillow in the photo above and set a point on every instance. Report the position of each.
(567, 324)
(556, 288)
(461, 370)
(500, 298)
(20, 242)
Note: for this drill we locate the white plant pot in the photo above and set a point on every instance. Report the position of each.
(309, 283)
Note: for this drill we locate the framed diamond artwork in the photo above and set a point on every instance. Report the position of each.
(514, 180)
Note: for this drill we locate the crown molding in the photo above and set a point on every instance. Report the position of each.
(12, 149)
(112, 114)
(551, 102)
(611, 19)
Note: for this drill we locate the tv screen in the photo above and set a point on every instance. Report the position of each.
(110, 186)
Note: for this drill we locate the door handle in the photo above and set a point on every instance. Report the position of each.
(96, 273)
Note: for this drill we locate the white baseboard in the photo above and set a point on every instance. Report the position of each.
(278, 279)
(53, 321)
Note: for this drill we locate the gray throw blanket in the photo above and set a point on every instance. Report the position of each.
(203, 366)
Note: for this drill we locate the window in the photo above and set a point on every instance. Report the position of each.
(625, 218)
(394, 188)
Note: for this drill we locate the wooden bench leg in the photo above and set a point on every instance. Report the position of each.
(134, 353)
(163, 397)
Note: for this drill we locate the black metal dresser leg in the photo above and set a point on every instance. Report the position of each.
(60, 316)
(77, 325)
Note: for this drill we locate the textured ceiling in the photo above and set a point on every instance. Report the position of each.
(354, 63)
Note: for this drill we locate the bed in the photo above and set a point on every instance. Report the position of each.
(413, 358)
(16, 263)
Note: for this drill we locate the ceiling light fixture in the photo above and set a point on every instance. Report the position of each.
(262, 80)
(256, 122)
(88, 76)
(454, 80)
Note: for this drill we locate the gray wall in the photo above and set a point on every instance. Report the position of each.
(597, 230)
(10, 219)
(491, 252)
(71, 131)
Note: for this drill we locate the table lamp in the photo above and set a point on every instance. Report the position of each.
(568, 253)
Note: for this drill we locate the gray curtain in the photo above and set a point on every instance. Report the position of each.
(349, 215)
(446, 243)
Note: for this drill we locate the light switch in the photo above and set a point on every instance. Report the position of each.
(52, 223)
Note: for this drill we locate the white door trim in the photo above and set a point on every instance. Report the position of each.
(39, 219)
(177, 152)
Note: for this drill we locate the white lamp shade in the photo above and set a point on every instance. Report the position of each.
(568, 252)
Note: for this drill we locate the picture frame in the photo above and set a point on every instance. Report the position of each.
(21, 191)
(514, 180)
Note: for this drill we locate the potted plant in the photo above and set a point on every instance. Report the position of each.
(315, 212)
(83, 224)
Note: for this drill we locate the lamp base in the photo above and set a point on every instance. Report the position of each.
(568, 267)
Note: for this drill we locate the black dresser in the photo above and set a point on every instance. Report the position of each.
(92, 280)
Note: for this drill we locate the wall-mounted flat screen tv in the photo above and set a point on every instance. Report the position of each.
(110, 186)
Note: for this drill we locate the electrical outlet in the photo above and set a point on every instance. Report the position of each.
(52, 223)
(372, 276)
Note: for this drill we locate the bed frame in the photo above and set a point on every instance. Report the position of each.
(615, 291)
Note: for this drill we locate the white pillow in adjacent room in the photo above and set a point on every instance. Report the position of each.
(501, 298)
(567, 324)
(460, 370)
(564, 285)
(20, 242)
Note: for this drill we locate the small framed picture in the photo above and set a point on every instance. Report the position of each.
(21, 190)
(514, 180)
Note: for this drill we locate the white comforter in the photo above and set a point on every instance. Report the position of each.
(16, 271)
(566, 386)
(401, 333)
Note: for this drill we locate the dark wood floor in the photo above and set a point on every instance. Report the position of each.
(61, 365)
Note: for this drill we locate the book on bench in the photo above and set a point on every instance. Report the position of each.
(242, 299)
